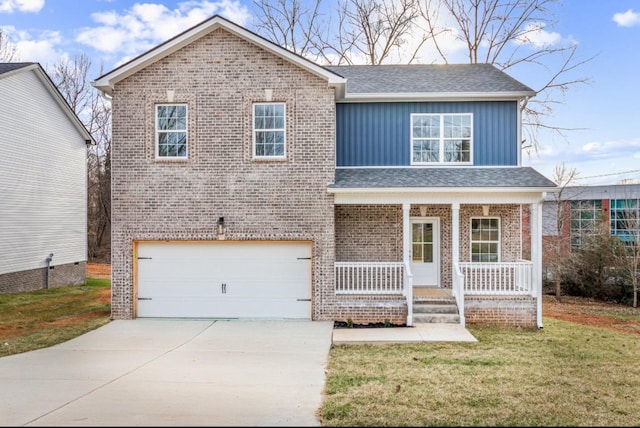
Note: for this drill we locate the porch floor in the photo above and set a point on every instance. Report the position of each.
(431, 293)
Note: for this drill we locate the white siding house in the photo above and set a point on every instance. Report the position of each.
(43, 183)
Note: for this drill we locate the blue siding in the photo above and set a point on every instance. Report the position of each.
(378, 134)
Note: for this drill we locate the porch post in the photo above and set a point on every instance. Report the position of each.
(406, 250)
(455, 233)
(457, 285)
(536, 258)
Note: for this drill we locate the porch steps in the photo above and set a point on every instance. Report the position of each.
(435, 309)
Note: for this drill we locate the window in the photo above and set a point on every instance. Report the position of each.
(625, 219)
(441, 138)
(269, 137)
(485, 239)
(171, 131)
(585, 217)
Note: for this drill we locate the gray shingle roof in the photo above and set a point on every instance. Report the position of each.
(428, 78)
(523, 177)
(6, 67)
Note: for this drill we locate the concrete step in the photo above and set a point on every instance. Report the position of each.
(436, 318)
(438, 308)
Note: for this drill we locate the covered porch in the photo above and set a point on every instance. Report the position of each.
(472, 242)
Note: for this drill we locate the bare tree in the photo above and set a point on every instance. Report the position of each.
(294, 24)
(378, 28)
(7, 49)
(506, 33)
(71, 78)
(626, 219)
(352, 31)
(557, 248)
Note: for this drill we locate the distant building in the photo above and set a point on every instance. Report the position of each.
(586, 207)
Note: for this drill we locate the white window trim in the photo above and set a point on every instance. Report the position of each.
(471, 241)
(441, 139)
(283, 129)
(158, 131)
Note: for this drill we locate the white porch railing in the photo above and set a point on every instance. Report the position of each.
(408, 292)
(505, 278)
(457, 290)
(369, 277)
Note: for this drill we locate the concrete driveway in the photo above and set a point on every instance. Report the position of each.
(172, 373)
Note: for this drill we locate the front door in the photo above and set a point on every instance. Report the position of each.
(425, 251)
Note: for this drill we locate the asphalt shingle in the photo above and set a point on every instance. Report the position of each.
(428, 78)
(522, 177)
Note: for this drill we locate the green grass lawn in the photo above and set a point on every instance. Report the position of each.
(563, 375)
(43, 318)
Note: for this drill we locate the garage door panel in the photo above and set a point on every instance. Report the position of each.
(224, 279)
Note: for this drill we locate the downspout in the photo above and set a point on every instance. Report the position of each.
(48, 261)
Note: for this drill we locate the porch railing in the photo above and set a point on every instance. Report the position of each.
(457, 290)
(505, 278)
(369, 277)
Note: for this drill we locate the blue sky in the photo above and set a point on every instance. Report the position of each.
(603, 145)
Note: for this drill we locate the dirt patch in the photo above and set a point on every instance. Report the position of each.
(594, 313)
(99, 270)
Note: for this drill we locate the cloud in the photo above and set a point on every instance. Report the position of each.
(535, 34)
(145, 25)
(40, 48)
(31, 6)
(627, 19)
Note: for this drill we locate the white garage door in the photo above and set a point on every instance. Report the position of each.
(224, 279)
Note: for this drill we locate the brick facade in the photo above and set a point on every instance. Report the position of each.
(219, 76)
(518, 311)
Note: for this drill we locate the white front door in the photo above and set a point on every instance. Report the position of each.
(425, 251)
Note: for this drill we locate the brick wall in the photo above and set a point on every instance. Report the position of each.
(219, 76)
(519, 311)
(36, 279)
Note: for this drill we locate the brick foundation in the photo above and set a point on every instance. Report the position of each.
(36, 279)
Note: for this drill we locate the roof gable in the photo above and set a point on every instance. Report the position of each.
(9, 69)
(106, 82)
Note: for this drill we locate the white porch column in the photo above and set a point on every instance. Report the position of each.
(406, 251)
(536, 257)
(455, 233)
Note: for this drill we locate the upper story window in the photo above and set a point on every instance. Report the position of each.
(171, 131)
(625, 219)
(485, 239)
(585, 218)
(269, 135)
(441, 138)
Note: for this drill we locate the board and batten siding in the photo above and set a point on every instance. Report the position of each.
(378, 134)
(43, 192)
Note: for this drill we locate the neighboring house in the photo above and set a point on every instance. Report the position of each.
(250, 182)
(43, 175)
(583, 210)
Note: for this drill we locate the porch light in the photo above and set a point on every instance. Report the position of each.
(485, 210)
(423, 210)
(220, 228)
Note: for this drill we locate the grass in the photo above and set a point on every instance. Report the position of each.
(42, 318)
(566, 374)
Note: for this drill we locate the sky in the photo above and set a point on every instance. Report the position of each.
(600, 119)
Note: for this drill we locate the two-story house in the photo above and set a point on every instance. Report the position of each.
(43, 183)
(250, 182)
